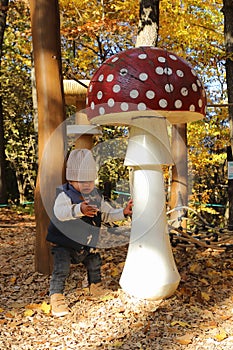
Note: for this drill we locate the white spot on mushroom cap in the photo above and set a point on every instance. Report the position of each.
(168, 71)
(159, 70)
(124, 106)
(110, 78)
(123, 71)
(150, 94)
(193, 72)
(194, 87)
(111, 102)
(161, 59)
(169, 88)
(200, 103)
(116, 88)
(142, 56)
(102, 110)
(184, 91)
(99, 95)
(92, 105)
(180, 73)
(134, 93)
(141, 106)
(192, 108)
(178, 104)
(115, 59)
(163, 103)
(174, 58)
(143, 76)
(101, 77)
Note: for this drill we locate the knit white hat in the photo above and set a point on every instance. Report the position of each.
(81, 166)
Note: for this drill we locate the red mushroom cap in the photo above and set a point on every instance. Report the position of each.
(145, 81)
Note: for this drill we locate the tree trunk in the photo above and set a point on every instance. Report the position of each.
(51, 132)
(3, 190)
(228, 34)
(148, 23)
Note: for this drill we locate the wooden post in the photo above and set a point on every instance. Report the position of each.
(179, 186)
(84, 140)
(51, 133)
(75, 94)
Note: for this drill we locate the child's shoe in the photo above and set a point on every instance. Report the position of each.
(97, 290)
(58, 305)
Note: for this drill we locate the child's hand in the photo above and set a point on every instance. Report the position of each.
(88, 209)
(128, 208)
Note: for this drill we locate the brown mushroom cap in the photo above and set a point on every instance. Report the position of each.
(145, 81)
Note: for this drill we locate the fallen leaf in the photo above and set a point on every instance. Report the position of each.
(185, 339)
(138, 325)
(115, 272)
(9, 315)
(33, 306)
(205, 296)
(121, 265)
(180, 323)
(45, 307)
(28, 312)
(195, 268)
(221, 335)
(204, 281)
(13, 280)
(117, 344)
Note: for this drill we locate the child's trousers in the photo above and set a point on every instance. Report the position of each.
(63, 257)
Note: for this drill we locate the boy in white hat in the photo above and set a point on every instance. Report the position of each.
(74, 229)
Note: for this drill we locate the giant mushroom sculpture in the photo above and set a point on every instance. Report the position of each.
(143, 87)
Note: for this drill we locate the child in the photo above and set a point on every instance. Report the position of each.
(74, 228)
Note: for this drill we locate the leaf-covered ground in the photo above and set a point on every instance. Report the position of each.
(198, 316)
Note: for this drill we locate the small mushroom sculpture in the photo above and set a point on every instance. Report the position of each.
(143, 88)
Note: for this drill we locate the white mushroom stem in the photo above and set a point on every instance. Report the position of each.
(150, 271)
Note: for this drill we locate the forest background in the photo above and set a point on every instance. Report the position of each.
(92, 31)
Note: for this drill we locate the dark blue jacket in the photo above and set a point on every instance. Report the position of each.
(78, 233)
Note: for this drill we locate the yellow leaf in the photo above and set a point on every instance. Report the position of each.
(45, 307)
(28, 312)
(204, 281)
(205, 296)
(121, 265)
(115, 272)
(180, 323)
(107, 297)
(13, 280)
(221, 335)
(117, 344)
(1, 310)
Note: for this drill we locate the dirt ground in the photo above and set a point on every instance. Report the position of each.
(198, 316)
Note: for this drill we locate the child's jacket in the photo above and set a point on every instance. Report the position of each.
(82, 231)
(79, 232)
